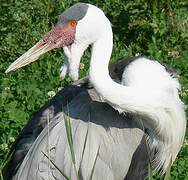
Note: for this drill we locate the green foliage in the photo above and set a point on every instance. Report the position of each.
(154, 28)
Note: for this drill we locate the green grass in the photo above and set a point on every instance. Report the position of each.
(158, 30)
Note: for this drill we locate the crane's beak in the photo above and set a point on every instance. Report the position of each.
(59, 36)
(30, 56)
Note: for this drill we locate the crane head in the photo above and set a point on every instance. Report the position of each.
(76, 25)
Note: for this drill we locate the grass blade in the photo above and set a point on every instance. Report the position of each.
(70, 140)
(94, 164)
(167, 174)
(63, 174)
(1, 175)
(85, 140)
(69, 137)
(150, 173)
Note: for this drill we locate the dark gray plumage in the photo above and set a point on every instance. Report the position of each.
(79, 10)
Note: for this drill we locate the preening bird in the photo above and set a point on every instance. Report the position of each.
(119, 125)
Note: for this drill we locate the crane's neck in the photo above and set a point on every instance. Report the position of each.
(165, 121)
(122, 98)
(99, 73)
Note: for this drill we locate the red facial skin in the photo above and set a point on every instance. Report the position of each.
(59, 36)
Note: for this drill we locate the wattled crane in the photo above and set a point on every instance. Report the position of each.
(112, 123)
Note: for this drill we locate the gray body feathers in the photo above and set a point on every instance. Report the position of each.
(117, 139)
(99, 132)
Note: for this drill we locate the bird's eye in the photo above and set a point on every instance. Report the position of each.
(73, 23)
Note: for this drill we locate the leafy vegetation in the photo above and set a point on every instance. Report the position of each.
(158, 29)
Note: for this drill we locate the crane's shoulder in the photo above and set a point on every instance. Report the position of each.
(147, 73)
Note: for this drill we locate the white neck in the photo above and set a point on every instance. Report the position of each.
(166, 122)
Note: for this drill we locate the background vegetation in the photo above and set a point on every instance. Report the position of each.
(158, 29)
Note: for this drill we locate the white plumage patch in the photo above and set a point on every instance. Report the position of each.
(166, 117)
(148, 74)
